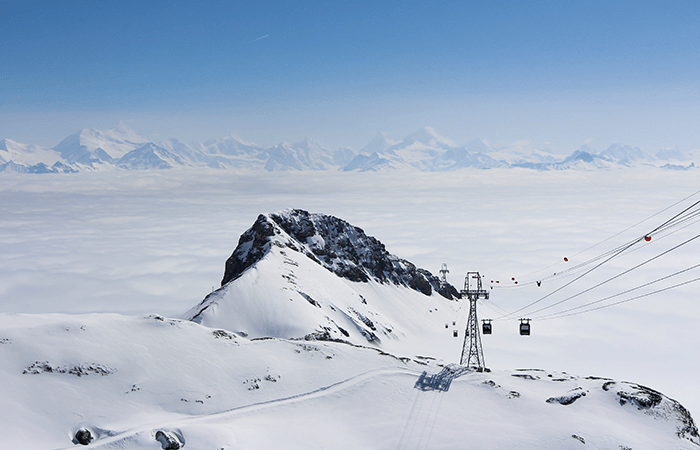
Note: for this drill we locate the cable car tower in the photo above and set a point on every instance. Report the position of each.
(443, 275)
(472, 351)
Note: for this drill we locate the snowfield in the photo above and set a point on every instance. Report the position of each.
(125, 379)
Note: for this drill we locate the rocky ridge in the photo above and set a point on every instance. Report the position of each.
(333, 243)
(299, 275)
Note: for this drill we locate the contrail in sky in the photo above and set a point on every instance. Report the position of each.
(261, 37)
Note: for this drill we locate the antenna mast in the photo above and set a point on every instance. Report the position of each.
(472, 351)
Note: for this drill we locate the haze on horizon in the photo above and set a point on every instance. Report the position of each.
(555, 74)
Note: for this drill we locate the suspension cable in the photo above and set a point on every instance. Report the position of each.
(673, 222)
(562, 313)
(616, 276)
(629, 299)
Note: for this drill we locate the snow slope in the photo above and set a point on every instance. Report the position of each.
(26, 154)
(90, 146)
(137, 382)
(16, 157)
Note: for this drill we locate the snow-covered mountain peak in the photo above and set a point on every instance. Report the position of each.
(477, 145)
(331, 242)
(5, 142)
(671, 153)
(8, 147)
(625, 154)
(90, 147)
(124, 133)
(587, 148)
(309, 143)
(429, 137)
(25, 157)
(377, 145)
(295, 274)
(240, 140)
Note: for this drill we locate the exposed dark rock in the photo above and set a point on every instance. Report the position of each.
(525, 376)
(252, 246)
(608, 385)
(324, 334)
(223, 334)
(655, 403)
(641, 396)
(78, 370)
(168, 440)
(569, 398)
(336, 245)
(309, 299)
(83, 437)
(491, 383)
(688, 430)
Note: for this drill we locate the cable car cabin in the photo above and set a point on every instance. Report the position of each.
(524, 327)
(455, 333)
(486, 326)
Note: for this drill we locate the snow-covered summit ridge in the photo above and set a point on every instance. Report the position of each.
(335, 244)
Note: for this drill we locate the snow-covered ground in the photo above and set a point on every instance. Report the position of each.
(128, 381)
(154, 242)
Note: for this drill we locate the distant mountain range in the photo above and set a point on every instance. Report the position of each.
(425, 150)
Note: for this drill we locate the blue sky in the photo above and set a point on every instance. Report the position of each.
(555, 73)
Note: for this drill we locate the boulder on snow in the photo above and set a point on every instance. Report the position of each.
(83, 437)
(568, 398)
(169, 440)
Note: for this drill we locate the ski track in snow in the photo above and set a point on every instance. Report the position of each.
(226, 415)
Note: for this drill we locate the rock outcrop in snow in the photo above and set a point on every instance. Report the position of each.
(338, 246)
(295, 274)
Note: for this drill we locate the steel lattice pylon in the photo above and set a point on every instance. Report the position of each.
(443, 275)
(472, 351)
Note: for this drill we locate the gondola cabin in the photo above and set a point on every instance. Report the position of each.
(455, 333)
(524, 327)
(486, 326)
